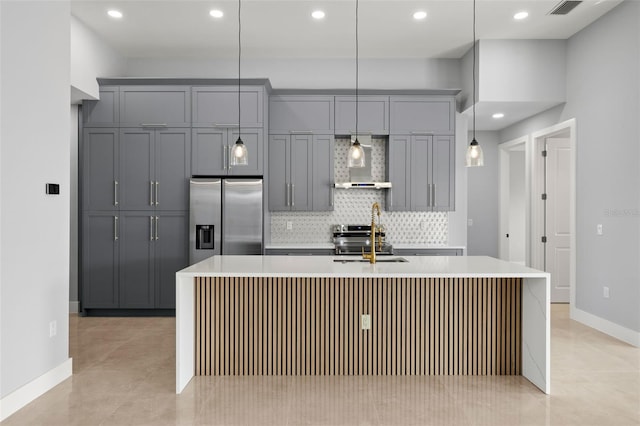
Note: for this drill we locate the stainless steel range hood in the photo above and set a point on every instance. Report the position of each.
(360, 177)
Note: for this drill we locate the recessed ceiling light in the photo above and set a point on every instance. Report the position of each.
(421, 14)
(520, 15)
(115, 14)
(317, 14)
(216, 13)
(498, 115)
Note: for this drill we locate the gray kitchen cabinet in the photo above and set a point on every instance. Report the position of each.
(301, 114)
(103, 112)
(155, 106)
(373, 115)
(442, 251)
(217, 106)
(100, 253)
(136, 268)
(290, 165)
(299, 252)
(211, 151)
(322, 181)
(421, 169)
(100, 169)
(422, 114)
(171, 254)
(154, 169)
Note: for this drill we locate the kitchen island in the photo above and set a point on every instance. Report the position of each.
(311, 315)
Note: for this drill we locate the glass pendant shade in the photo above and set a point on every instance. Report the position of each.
(475, 157)
(356, 155)
(239, 154)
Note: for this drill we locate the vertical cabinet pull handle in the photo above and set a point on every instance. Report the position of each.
(390, 197)
(150, 228)
(286, 194)
(157, 219)
(150, 192)
(115, 228)
(433, 199)
(331, 195)
(293, 195)
(157, 202)
(115, 192)
(224, 158)
(428, 195)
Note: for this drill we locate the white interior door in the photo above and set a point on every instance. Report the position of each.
(517, 207)
(558, 229)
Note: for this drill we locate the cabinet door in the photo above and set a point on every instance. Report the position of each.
(168, 106)
(422, 114)
(323, 181)
(170, 256)
(209, 152)
(136, 282)
(218, 106)
(420, 173)
(398, 163)
(373, 115)
(172, 160)
(301, 165)
(103, 112)
(136, 169)
(99, 285)
(253, 140)
(279, 172)
(301, 113)
(443, 173)
(100, 185)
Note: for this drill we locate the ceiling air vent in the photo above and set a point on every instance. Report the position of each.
(564, 7)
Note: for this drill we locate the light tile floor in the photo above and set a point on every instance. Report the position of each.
(124, 375)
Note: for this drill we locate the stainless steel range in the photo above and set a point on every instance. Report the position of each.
(351, 239)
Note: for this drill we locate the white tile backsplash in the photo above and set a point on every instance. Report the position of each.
(353, 206)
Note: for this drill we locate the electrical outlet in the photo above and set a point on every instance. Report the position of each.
(289, 225)
(605, 292)
(599, 229)
(366, 322)
(53, 328)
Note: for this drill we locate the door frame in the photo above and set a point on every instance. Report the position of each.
(536, 249)
(503, 197)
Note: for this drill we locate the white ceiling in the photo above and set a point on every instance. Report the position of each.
(285, 29)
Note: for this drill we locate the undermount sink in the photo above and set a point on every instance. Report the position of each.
(378, 260)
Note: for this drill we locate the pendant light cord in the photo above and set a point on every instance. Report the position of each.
(357, 70)
(239, 56)
(474, 69)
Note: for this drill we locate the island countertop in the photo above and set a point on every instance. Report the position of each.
(325, 266)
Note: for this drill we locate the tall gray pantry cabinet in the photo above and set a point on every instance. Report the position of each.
(135, 166)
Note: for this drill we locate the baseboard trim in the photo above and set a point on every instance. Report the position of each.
(607, 327)
(32, 390)
(74, 307)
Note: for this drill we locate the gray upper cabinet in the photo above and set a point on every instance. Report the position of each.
(301, 114)
(421, 170)
(211, 151)
(322, 173)
(373, 115)
(218, 106)
(100, 169)
(154, 169)
(155, 106)
(422, 115)
(103, 112)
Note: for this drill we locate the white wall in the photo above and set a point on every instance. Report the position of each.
(313, 73)
(34, 150)
(458, 219)
(483, 189)
(603, 82)
(90, 58)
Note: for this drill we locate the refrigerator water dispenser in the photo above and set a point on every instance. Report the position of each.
(204, 237)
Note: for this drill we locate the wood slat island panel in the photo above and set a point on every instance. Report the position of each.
(312, 326)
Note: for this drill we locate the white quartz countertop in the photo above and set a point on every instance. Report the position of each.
(324, 266)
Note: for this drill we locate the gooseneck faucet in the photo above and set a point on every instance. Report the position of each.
(375, 209)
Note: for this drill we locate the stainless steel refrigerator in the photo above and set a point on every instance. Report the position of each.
(225, 217)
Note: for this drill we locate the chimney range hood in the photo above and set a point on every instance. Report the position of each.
(360, 177)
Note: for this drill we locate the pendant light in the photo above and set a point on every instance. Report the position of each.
(239, 154)
(355, 157)
(475, 157)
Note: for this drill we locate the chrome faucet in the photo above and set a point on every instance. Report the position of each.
(375, 208)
